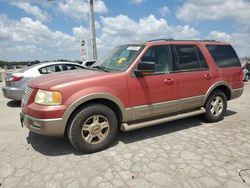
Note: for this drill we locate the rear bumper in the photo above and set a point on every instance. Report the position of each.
(49, 127)
(13, 93)
(236, 93)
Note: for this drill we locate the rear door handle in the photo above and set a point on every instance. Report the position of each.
(208, 76)
(169, 81)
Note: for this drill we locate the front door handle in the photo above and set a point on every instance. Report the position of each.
(208, 76)
(169, 81)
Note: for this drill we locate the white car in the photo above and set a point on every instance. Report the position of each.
(246, 72)
(15, 82)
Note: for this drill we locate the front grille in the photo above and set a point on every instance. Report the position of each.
(27, 94)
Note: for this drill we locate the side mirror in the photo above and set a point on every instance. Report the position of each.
(145, 68)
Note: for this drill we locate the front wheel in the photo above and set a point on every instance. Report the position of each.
(92, 128)
(216, 106)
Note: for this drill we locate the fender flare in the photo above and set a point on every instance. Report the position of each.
(216, 85)
(90, 97)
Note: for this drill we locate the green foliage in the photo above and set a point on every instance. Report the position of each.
(12, 63)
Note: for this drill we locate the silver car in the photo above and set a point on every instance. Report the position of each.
(245, 75)
(15, 82)
(88, 63)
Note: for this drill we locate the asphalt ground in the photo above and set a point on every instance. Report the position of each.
(184, 153)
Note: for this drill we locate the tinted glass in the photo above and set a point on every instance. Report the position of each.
(187, 57)
(202, 61)
(161, 56)
(54, 68)
(224, 55)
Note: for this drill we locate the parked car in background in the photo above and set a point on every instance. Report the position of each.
(246, 74)
(16, 82)
(247, 66)
(246, 71)
(135, 86)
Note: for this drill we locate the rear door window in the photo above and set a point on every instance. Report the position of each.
(224, 55)
(188, 57)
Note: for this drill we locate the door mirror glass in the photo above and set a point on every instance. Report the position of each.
(145, 68)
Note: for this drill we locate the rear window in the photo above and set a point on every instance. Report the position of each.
(224, 55)
(27, 68)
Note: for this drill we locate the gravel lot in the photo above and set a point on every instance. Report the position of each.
(185, 153)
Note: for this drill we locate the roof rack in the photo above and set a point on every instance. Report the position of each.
(156, 40)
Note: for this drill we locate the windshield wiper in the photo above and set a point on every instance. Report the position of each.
(100, 68)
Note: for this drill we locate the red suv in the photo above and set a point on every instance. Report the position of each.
(134, 86)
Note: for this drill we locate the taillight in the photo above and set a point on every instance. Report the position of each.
(15, 78)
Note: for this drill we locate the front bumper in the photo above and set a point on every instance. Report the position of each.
(48, 127)
(13, 93)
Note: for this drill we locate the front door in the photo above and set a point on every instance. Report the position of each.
(157, 93)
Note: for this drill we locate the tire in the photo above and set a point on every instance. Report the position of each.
(215, 106)
(93, 128)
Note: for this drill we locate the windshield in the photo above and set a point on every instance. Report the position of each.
(119, 59)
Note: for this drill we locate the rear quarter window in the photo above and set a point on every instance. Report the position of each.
(224, 55)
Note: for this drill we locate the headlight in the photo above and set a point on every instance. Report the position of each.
(49, 98)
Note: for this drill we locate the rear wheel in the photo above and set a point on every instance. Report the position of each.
(93, 128)
(216, 106)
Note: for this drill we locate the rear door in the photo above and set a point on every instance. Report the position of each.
(194, 75)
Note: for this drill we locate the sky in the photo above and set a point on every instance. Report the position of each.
(49, 30)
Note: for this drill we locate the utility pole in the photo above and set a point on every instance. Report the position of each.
(92, 27)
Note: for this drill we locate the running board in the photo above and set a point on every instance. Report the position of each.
(125, 127)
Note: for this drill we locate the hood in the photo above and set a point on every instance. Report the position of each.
(61, 79)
